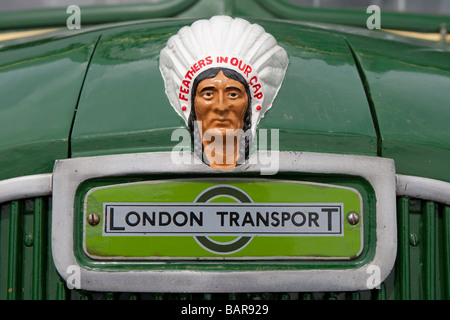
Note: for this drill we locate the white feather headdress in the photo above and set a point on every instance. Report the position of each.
(223, 42)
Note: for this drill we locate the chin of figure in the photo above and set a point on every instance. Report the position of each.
(223, 156)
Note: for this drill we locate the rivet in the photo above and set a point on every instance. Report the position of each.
(353, 218)
(93, 219)
(28, 240)
(414, 239)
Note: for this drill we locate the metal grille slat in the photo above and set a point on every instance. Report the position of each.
(381, 293)
(14, 251)
(446, 237)
(39, 248)
(61, 293)
(403, 255)
(429, 211)
(26, 265)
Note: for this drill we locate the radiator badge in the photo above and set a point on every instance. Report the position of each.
(221, 75)
(225, 218)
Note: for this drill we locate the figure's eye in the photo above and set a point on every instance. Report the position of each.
(234, 95)
(207, 94)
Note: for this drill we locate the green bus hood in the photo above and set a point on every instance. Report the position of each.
(40, 81)
(100, 91)
(123, 107)
(408, 82)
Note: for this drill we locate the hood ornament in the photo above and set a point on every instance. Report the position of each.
(221, 75)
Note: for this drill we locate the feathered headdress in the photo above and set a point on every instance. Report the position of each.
(229, 43)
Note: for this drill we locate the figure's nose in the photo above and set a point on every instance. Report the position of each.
(222, 106)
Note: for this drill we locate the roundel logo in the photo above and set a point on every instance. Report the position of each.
(223, 247)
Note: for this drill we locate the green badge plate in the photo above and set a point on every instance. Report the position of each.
(231, 219)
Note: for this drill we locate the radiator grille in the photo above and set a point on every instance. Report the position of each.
(421, 271)
(26, 266)
(423, 252)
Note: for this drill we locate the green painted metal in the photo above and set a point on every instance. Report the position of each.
(403, 261)
(40, 84)
(446, 263)
(57, 16)
(123, 107)
(358, 108)
(427, 251)
(118, 111)
(381, 292)
(354, 17)
(408, 82)
(39, 249)
(14, 252)
(429, 212)
(26, 264)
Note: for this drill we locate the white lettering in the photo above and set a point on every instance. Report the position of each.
(74, 280)
(373, 281)
(178, 154)
(374, 21)
(269, 157)
(198, 310)
(74, 21)
(193, 218)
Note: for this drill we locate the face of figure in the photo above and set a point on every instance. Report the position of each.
(220, 103)
(220, 106)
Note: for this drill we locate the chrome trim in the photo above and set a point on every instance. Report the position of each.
(423, 188)
(69, 173)
(26, 187)
(406, 185)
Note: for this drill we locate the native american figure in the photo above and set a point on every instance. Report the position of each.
(221, 75)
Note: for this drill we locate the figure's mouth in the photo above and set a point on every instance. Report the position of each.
(221, 121)
(222, 124)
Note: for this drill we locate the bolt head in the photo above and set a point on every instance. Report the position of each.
(414, 239)
(93, 219)
(353, 218)
(28, 240)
